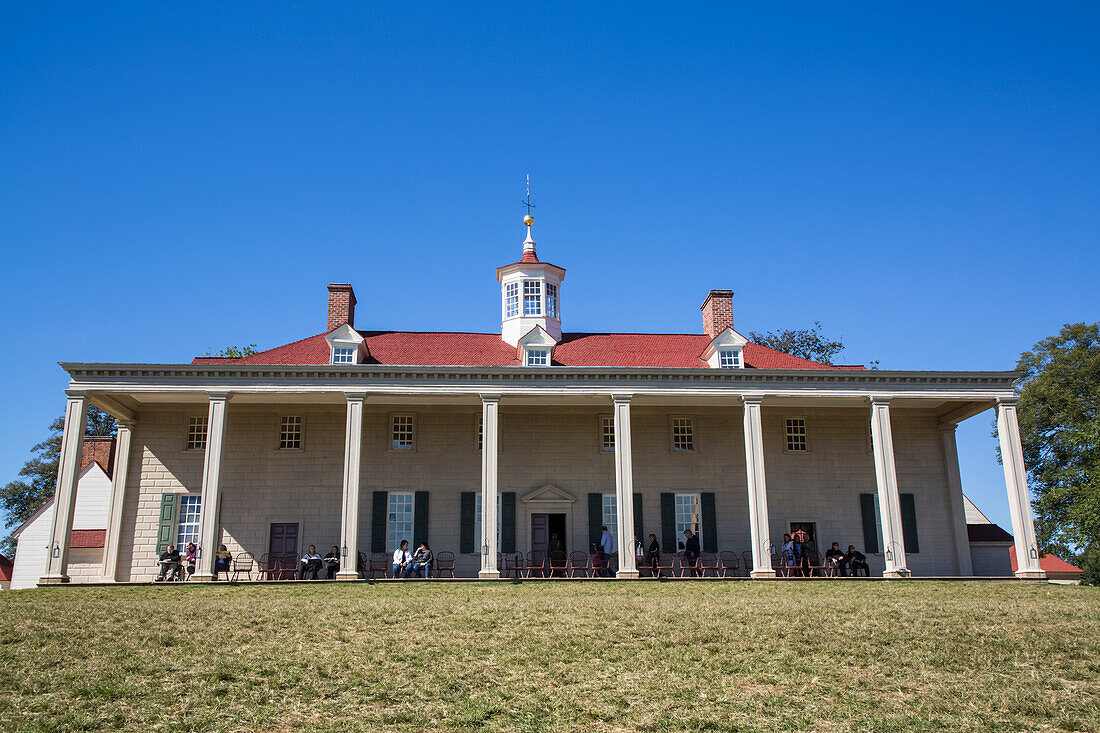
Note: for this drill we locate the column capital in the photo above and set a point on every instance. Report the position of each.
(1008, 401)
(880, 399)
(947, 427)
(622, 398)
(219, 395)
(752, 399)
(490, 396)
(77, 393)
(356, 396)
(126, 423)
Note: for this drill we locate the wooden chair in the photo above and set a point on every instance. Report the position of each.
(778, 566)
(578, 563)
(746, 560)
(243, 563)
(729, 563)
(559, 565)
(665, 564)
(708, 562)
(513, 564)
(816, 565)
(267, 567)
(686, 565)
(285, 566)
(536, 563)
(444, 563)
(379, 564)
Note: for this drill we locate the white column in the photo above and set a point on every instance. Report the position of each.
(490, 407)
(624, 487)
(1019, 501)
(118, 500)
(758, 490)
(955, 499)
(349, 525)
(68, 473)
(211, 477)
(886, 477)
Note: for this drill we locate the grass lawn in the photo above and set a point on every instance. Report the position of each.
(825, 656)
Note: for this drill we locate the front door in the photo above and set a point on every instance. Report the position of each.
(284, 543)
(540, 532)
(810, 528)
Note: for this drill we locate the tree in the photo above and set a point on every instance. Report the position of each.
(235, 352)
(22, 497)
(807, 343)
(1059, 415)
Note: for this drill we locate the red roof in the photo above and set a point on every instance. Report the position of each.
(449, 348)
(1049, 563)
(6, 567)
(88, 538)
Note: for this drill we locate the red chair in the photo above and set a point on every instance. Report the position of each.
(746, 559)
(729, 563)
(536, 563)
(444, 563)
(379, 564)
(708, 561)
(665, 564)
(559, 564)
(513, 564)
(243, 563)
(578, 563)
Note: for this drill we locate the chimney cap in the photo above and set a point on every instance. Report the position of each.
(716, 294)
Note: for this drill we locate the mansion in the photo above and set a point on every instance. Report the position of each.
(530, 438)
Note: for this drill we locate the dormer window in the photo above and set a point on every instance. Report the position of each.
(343, 355)
(538, 357)
(511, 299)
(346, 346)
(532, 298)
(552, 301)
(729, 358)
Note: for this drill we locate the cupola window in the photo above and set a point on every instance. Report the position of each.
(532, 298)
(511, 300)
(552, 301)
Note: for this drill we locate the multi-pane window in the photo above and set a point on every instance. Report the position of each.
(683, 437)
(552, 301)
(196, 433)
(611, 514)
(399, 524)
(480, 433)
(607, 432)
(477, 520)
(538, 357)
(343, 355)
(188, 528)
(290, 432)
(796, 434)
(729, 359)
(687, 515)
(511, 299)
(532, 298)
(404, 432)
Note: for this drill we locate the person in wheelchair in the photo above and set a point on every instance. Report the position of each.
(169, 565)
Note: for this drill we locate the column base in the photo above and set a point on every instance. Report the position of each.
(489, 574)
(1031, 574)
(206, 577)
(53, 579)
(627, 574)
(349, 575)
(897, 574)
(762, 574)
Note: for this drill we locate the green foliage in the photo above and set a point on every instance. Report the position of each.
(1059, 414)
(38, 477)
(234, 352)
(808, 343)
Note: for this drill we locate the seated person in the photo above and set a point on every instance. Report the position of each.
(361, 564)
(332, 562)
(190, 556)
(402, 559)
(855, 560)
(422, 561)
(310, 565)
(169, 564)
(222, 560)
(834, 559)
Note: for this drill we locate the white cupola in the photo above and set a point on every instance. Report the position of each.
(530, 295)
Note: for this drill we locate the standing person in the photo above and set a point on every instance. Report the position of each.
(422, 561)
(222, 561)
(691, 551)
(607, 546)
(834, 559)
(169, 564)
(855, 560)
(332, 562)
(653, 554)
(310, 564)
(790, 560)
(401, 559)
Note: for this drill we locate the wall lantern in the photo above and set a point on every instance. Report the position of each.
(344, 551)
(1034, 553)
(485, 549)
(56, 550)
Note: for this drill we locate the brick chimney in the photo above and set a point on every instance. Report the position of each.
(717, 312)
(341, 306)
(98, 449)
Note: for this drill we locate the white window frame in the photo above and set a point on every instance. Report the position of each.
(697, 526)
(552, 305)
(344, 354)
(729, 358)
(532, 298)
(190, 517)
(536, 356)
(511, 299)
(406, 418)
(795, 433)
(610, 515)
(393, 534)
(291, 433)
(197, 426)
(607, 434)
(477, 521)
(676, 422)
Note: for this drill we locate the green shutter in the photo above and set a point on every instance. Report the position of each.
(380, 506)
(468, 514)
(909, 523)
(595, 519)
(420, 516)
(668, 522)
(508, 521)
(710, 522)
(168, 504)
(639, 527)
(870, 526)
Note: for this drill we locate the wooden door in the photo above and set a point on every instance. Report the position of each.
(284, 542)
(540, 532)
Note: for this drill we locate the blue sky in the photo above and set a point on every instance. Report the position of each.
(921, 180)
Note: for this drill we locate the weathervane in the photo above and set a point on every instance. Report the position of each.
(528, 202)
